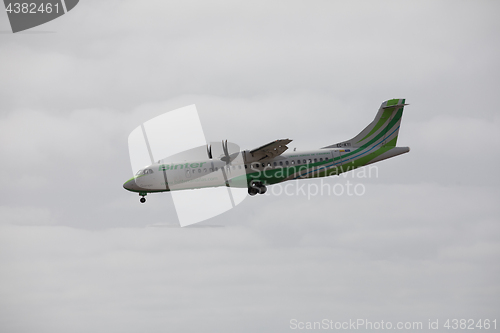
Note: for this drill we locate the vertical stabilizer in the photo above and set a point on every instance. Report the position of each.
(383, 130)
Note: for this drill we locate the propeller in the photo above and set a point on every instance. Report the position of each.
(228, 158)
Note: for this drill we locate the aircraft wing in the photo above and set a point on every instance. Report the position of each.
(270, 150)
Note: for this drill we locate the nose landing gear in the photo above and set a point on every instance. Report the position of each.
(143, 200)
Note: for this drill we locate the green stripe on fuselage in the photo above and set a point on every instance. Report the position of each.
(274, 176)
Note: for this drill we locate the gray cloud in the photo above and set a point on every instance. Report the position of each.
(421, 243)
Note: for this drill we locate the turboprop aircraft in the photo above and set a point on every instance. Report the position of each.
(269, 164)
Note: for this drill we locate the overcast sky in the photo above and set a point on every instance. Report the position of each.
(77, 251)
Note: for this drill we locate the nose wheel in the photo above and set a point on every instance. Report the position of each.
(142, 200)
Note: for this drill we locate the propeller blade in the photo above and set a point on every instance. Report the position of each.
(226, 152)
(209, 151)
(224, 148)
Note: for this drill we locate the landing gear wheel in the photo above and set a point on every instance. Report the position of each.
(256, 187)
(143, 200)
(252, 191)
(262, 189)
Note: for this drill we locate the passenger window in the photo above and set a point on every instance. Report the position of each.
(188, 173)
(281, 163)
(286, 162)
(310, 160)
(298, 161)
(263, 164)
(205, 170)
(269, 164)
(315, 160)
(246, 166)
(304, 161)
(293, 162)
(274, 163)
(199, 170)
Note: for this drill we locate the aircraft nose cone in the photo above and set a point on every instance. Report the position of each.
(130, 185)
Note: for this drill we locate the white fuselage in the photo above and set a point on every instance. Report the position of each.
(214, 172)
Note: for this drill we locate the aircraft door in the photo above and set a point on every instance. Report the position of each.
(337, 163)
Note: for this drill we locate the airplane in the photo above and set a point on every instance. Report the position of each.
(269, 164)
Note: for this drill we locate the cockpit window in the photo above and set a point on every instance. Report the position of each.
(144, 172)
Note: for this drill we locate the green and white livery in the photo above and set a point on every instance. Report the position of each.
(271, 164)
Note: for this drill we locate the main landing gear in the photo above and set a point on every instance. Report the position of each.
(256, 187)
(143, 200)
